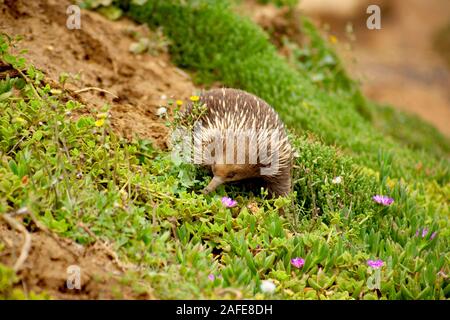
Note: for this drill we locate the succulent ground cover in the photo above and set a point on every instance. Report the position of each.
(368, 218)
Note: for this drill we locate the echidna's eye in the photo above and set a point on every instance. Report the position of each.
(230, 175)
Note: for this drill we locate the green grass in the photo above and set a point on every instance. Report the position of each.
(410, 131)
(69, 169)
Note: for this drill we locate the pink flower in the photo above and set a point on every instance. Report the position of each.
(298, 262)
(424, 233)
(376, 264)
(211, 277)
(228, 202)
(384, 200)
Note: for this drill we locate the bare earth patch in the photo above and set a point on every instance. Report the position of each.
(45, 268)
(99, 52)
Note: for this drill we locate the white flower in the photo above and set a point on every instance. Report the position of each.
(22, 210)
(267, 286)
(336, 180)
(139, 2)
(161, 111)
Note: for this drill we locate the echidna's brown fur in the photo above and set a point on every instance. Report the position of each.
(232, 109)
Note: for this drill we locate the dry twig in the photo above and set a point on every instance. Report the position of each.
(95, 89)
(24, 252)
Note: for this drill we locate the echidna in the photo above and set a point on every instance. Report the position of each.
(240, 136)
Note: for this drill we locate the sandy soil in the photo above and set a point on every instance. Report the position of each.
(99, 52)
(46, 267)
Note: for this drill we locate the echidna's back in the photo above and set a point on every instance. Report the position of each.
(237, 109)
(243, 114)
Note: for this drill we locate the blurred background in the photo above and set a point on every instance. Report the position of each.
(406, 63)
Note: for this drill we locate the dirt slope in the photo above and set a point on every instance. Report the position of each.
(99, 52)
(46, 267)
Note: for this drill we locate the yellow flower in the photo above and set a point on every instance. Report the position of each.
(194, 98)
(333, 39)
(20, 120)
(306, 105)
(99, 122)
(179, 102)
(390, 183)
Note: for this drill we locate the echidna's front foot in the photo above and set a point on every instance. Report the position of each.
(213, 184)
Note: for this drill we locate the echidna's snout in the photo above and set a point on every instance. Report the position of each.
(228, 173)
